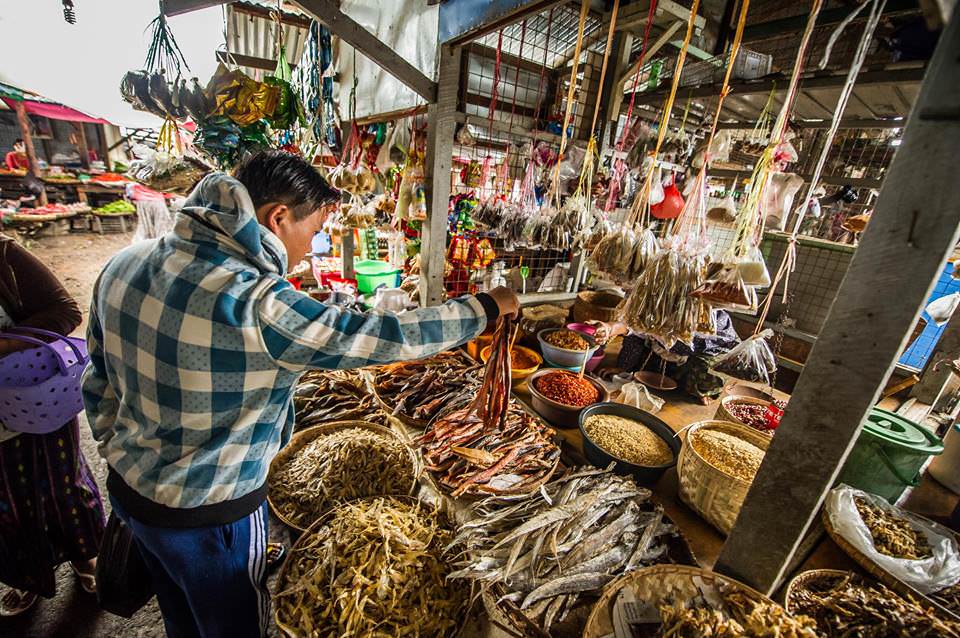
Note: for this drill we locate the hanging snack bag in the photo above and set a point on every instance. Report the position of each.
(753, 268)
(725, 288)
(644, 248)
(750, 360)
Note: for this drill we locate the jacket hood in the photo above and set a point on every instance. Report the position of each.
(219, 211)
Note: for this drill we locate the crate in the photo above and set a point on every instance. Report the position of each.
(749, 65)
(111, 224)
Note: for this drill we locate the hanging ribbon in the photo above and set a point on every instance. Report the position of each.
(496, 82)
(571, 90)
(516, 77)
(543, 67)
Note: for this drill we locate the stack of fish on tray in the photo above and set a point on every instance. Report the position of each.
(334, 395)
(538, 555)
(420, 390)
(490, 446)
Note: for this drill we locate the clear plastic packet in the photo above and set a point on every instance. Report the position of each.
(724, 210)
(725, 288)
(750, 360)
(644, 248)
(753, 268)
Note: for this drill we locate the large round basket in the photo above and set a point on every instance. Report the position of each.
(804, 580)
(657, 584)
(723, 414)
(303, 437)
(710, 492)
(282, 577)
(879, 572)
(592, 305)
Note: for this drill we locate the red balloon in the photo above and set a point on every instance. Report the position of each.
(671, 206)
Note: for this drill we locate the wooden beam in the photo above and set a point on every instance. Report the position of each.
(794, 24)
(853, 122)
(24, 121)
(441, 126)
(249, 61)
(289, 19)
(482, 100)
(347, 29)
(176, 7)
(102, 147)
(82, 144)
(914, 228)
(650, 52)
(488, 21)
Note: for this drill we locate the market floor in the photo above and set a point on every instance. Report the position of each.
(77, 260)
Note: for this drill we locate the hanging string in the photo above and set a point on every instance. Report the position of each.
(571, 90)
(603, 68)
(496, 81)
(516, 77)
(543, 67)
(788, 263)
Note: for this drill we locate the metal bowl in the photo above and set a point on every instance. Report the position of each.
(558, 414)
(644, 474)
(564, 357)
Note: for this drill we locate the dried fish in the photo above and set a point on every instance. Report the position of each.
(325, 396)
(420, 390)
(851, 606)
(375, 568)
(893, 535)
(345, 464)
(740, 617)
(540, 554)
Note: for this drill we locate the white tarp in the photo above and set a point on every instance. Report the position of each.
(409, 27)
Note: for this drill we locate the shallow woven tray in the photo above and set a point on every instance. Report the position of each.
(801, 581)
(303, 437)
(654, 584)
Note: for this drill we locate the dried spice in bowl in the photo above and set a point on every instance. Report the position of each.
(627, 440)
(892, 535)
(567, 388)
(568, 340)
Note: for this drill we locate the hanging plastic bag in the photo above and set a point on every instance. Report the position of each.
(941, 569)
(753, 268)
(644, 248)
(723, 211)
(750, 360)
(942, 308)
(638, 396)
(778, 199)
(383, 162)
(672, 204)
(725, 288)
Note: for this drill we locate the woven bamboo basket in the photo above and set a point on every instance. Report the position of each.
(591, 305)
(879, 572)
(710, 492)
(723, 414)
(303, 437)
(283, 576)
(657, 584)
(803, 581)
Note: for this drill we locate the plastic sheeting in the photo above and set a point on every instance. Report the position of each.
(409, 27)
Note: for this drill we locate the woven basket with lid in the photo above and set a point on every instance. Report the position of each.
(592, 305)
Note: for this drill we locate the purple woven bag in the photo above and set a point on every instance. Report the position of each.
(40, 387)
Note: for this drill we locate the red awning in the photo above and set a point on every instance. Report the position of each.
(56, 112)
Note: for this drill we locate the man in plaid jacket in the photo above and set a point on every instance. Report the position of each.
(196, 342)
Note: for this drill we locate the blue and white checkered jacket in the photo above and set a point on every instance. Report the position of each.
(196, 342)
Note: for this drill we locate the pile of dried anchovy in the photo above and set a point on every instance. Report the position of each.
(570, 538)
(422, 389)
(375, 569)
(343, 465)
(742, 617)
(334, 395)
(848, 606)
(468, 455)
(892, 535)
(949, 597)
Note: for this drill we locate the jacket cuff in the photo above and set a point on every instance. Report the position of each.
(490, 306)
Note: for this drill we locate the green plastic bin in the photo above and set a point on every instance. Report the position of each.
(372, 274)
(889, 455)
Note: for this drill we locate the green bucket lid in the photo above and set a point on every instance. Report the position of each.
(891, 428)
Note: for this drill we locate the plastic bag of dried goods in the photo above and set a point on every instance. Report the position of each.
(750, 360)
(724, 288)
(637, 395)
(753, 268)
(942, 308)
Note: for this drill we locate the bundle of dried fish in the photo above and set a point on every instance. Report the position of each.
(419, 390)
(376, 567)
(324, 396)
(741, 616)
(892, 535)
(342, 465)
(850, 606)
(541, 553)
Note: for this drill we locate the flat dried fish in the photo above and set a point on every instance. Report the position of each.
(420, 390)
(325, 396)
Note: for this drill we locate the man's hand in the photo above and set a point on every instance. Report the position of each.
(507, 301)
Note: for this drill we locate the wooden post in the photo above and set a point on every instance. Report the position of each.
(104, 151)
(82, 144)
(914, 227)
(24, 122)
(441, 125)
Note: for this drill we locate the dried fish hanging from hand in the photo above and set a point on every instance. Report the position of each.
(376, 568)
(540, 555)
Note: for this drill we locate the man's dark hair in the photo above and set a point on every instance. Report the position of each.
(284, 178)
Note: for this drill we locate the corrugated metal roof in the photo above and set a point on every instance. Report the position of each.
(255, 35)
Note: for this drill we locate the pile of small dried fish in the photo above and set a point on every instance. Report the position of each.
(471, 456)
(892, 535)
(343, 465)
(742, 617)
(543, 552)
(421, 389)
(848, 606)
(376, 568)
(324, 396)
(949, 597)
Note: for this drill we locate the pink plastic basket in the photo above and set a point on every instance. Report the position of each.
(40, 387)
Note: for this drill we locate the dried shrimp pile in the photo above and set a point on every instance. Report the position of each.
(893, 535)
(542, 553)
(742, 616)
(334, 395)
(420, 390)
(848, 606)
(375, 568)
(343, 465)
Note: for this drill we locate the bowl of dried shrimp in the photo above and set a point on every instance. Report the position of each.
(637, 442)
(566, 348)
(371, 567)
(326, 465)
